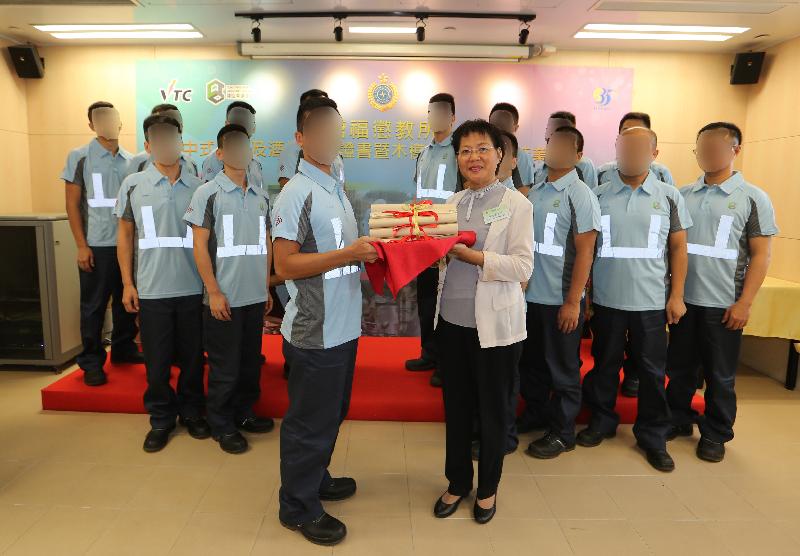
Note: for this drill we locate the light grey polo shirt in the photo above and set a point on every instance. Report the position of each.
(141, 161)
(662, 172)
(212, 166)
(436, 171)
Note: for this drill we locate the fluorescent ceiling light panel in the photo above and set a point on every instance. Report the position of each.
(653, 36)
(114, 27)
(378, 30)
(664, 28)
(130, 35)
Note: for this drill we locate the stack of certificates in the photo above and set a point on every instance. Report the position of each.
(412, 221)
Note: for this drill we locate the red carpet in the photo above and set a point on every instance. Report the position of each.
(382, 391)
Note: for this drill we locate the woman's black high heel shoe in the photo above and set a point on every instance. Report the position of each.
(482, 515)
(442, 510)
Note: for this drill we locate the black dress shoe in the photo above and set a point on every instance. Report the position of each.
(680, 430)
(482, 515)
(443, 510)
(233, 443)
(436, 379)
(197, 426)
(134, 357)
(708, 450)
(660, 460)
(589, 438)
(156, 439)
(548, 447)
(420, 364)
(476, 450)
(325, 530)
(629, 387)
(94, 378)
(338, 489)
(256, 424)
(528, 425)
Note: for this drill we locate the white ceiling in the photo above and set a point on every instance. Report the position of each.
(556, 21)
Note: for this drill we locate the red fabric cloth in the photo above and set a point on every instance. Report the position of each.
(400, 262)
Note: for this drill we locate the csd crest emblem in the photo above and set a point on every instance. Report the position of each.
(382, 95)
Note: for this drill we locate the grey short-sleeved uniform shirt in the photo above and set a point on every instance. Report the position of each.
(662, 172)
(457, 305)
(164, 259)
(99, 175)
(436, 171)
(212, 166)
(324, 310)
(238, 223)
(141, 161)
(289, 162)
(725, 217)
(587, 173)
(631, 270)
(561, 209)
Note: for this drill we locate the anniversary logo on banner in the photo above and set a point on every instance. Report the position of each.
(384, 108)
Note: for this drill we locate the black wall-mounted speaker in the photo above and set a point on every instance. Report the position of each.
(746, 68)
(27, 61)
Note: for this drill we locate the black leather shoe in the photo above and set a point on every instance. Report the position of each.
(338, 489)
(256, 424)
(94, 378)
(443, 510)
(436, 379)
(527, 425)
(233, 443)
(708, 450)
(548, 447)
(156, 439)
(325, 530)
(476, 450)
(680, 430)
(482, 515)
(629, 387)
(420, 364)
(197, 426)
(660, 460)
(589, 438)
(135, 358)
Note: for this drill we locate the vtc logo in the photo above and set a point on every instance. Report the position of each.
(602, 96)
(176, 95)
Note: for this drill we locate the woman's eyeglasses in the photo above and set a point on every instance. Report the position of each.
(480, 151)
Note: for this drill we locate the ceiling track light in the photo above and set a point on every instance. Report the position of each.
(524, 31)
(421, 29)
(338, 32)
(256, 30)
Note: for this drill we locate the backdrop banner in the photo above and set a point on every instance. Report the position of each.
(384, 108)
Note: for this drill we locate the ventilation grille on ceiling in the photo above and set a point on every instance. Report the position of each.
(690, 7)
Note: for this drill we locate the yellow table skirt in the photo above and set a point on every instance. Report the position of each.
(776, 310)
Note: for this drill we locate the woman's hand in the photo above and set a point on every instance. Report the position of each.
(466, 254)
(457, 251)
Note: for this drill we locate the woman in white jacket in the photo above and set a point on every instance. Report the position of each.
(480, 317)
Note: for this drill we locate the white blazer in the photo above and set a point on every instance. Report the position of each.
(507, 262)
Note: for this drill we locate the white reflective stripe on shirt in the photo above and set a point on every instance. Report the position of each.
(650, 252)
(440, 192)
(229, 249)
(719, 250)
(338, 272)
(151, 239)
(98, 198)
(548, 247)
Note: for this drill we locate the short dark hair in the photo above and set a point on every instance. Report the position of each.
(572, 131)
(310, 105)
(157, 119)
(311, 93)
(514, 143)
(732, 129)
(564, 115)
(444, 97)
(507, 107)
(642, 116)
(229, 128)
(158, 108)
(478, 126)
(98, 104)
(239, 104)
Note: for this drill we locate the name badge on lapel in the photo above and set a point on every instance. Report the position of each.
(500, 212)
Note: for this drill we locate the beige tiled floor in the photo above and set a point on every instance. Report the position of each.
(75, 483)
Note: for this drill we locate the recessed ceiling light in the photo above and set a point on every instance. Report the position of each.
(130, 35)
(652, 36)
(664, 28)
(115, 27)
